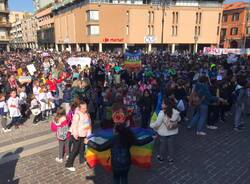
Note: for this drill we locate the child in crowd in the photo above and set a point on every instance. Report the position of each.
(61, 127)
(35, 109)
(43, 101)
(14, 109)
(36, 89)
(3, 113)
(50, 106)
(23, 100)
(67, 97)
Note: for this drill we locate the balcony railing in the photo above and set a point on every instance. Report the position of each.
(4, 38)
(5, 24)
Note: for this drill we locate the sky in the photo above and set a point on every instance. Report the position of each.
(27, 5)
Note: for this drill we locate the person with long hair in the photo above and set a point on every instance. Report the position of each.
(166, 127)
(60, 125)
(120, 145)
(80, 129)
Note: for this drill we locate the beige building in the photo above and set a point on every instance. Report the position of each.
(45, 32)
(124, 24)
(29, 32)
(4, 25)
(18, 16)
(16, 35)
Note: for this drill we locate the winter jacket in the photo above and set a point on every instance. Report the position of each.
(159, 124)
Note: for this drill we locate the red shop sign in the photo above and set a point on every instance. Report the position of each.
(116, 40)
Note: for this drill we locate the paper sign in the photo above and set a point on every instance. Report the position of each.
(24, 79)
(83, 61)
(31, 68)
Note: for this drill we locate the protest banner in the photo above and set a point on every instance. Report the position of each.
(31, 68)
(24, 79)
(220, 51)
(83, 61)
(132, 61)
(232, 58)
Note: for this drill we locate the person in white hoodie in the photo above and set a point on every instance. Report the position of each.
(14, 109)
(166, 126)
(3, 114)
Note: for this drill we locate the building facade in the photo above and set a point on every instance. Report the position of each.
(5, 26)
(235, 29)
(29, 32)
(104, 25)
(18, 16)
(45, 32)
(16, 35)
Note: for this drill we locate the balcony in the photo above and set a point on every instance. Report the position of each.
(4, 38)
(5, 25)
(5, 11)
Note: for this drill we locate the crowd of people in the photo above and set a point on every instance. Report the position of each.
(197, 91)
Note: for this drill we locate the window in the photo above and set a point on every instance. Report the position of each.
(153, 17)
(195, 31)
(173, 17)
(223, 32)
(234, 31)
(174, 30)
(152, 30)
(219, 18)
(127, 30)
(218, 30)
(199, 30)
(235, 17)
(93, 15)
(177, 16)
(197, 18)
(93, 29)
(149, 30)
(200, 18)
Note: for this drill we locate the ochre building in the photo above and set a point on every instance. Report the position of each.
(108, 25)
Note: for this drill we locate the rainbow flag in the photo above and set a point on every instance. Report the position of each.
(140, 155)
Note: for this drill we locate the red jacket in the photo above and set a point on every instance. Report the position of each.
(52, 84)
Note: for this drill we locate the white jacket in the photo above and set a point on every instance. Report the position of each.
(160, 126)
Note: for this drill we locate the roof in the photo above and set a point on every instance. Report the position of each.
(236, 5)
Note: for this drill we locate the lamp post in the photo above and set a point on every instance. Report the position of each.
(196, 44)
(163, 3)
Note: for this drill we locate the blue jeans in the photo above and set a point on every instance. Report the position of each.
(200, 117)
(239, 108)
(120, 176)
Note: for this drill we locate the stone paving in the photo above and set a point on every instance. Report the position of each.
(221, 157)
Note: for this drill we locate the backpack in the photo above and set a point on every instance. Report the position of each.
(120, 158)
(195, 99)
(62, 133)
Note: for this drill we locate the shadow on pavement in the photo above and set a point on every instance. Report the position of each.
(7, 170)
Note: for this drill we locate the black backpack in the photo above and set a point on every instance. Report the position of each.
(120, 158)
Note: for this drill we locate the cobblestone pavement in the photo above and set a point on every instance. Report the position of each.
(27, 156)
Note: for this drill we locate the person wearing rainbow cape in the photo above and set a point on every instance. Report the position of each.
(121, 142)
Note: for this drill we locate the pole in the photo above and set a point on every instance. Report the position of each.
(245, 32)
(162, 25)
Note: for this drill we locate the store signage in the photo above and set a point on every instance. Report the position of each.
(149, 39)
(113, 40)
(220, 51)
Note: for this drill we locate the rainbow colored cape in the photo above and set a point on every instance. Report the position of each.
(140, 155)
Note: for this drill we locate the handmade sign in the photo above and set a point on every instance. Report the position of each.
(140, 155)
(132, 61)
(24, 79)
(31, 68)
(83, 61)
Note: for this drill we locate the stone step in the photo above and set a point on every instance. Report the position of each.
(19, 153)
(27, 142)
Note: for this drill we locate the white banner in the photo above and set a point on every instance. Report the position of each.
(83, 61)
(219, 51)
(149, 39)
